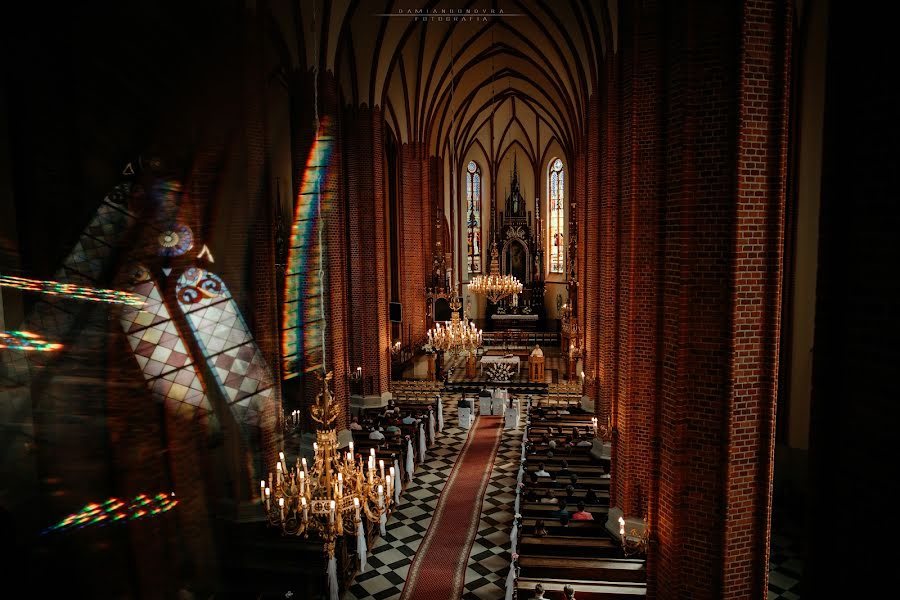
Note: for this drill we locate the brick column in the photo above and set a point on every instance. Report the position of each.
(415, 240)
(591, 234)
(369, 327)
(608, 245)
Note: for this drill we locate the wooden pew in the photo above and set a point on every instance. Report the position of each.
(569, 545)
(584, 590)
(539, 510)
(584, 568)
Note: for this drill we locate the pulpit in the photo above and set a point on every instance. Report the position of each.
(536, 369)
(470, 366)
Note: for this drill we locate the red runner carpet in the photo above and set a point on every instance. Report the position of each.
(439, 569)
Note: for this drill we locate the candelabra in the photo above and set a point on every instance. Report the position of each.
(633, 543)
(495, 286)
(457, 336)
(327, 499)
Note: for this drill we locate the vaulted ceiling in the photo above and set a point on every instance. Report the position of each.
(439, 81)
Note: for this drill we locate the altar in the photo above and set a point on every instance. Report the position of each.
(513, 321)
(508, 360)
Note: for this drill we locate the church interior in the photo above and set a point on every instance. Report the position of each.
(486, 299)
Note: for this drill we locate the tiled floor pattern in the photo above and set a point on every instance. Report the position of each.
(488, 563)
(785, 568)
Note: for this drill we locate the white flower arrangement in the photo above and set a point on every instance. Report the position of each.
(499, 372)
(428, 348)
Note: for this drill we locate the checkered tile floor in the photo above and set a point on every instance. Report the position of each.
(785, 568)
(488, 563)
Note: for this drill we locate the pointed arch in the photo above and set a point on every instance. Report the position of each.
(474, 199)
(556, 215)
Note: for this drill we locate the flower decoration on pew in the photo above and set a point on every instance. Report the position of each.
(115, 510)
(27, 341)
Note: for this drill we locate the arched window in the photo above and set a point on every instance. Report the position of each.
(556, 229)
(473, 216)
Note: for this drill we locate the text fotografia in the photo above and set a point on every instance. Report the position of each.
(449, 14)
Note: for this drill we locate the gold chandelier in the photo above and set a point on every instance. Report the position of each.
(495, 286)
(328, 498)
(457, 336)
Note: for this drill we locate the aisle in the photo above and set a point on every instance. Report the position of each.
(439, 567)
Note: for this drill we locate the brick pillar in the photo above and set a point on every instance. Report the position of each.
(724, 174)
(590, 233)
(369, 327)
(415, 240)
(609, 274)
(639, 264)
(335, 252)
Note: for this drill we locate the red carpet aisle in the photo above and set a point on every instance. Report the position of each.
(438, 570)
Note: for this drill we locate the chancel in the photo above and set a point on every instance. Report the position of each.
(486, 299)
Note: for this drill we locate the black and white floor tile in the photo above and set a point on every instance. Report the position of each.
(785, 567)
(390, 559)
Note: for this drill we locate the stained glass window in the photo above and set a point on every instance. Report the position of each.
(473, 216)
(556, 230)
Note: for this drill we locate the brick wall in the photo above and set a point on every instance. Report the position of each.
(369, 328)
(691, 264)
(415, 239)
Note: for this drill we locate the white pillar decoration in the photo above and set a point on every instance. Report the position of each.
(422, 445)
(410, 463)
(361, 546)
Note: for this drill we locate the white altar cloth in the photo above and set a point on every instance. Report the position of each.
(509, 360)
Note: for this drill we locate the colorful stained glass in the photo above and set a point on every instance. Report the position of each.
(175, 241)
(26, 341)
(473, 217)
(69, 290)
(556, 222)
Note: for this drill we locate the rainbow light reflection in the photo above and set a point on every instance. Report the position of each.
(302, 316)
(27, 341)
(115, 510)
(70, 290)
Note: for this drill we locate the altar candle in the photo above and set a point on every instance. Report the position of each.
(356, 507)
(381, 468)
(389, 480)
(380, 496)
(331, 512)
(372, 453)
(315, 448)
(302, 483)
(280, 474)
(281, 506)
(268, 495)
(622, 529)
(262, 489)
(303, 504)
(340, 484)
(351, 450)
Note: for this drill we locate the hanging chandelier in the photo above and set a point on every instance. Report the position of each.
(457, 335)
(495, 286)
(328, 498)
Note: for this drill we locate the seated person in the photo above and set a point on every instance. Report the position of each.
(569, 591)
(354, 424)
(581, 514)
(549, 453)
(564, 469)
(570, 494)
(564, 410)
(560, 511)
(539, 592)
(533, 476)
(551, 444)
(539, 529)
(542, 472)
(573, 478)
(584, 443)
(408, 419)
(392, 428)
(531, 495)
(554, 483)
(564, 520)
(591, 497)
(376, 434)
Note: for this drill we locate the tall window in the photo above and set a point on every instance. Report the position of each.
(473, 216)
(556, 229)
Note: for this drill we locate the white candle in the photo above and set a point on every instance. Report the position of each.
(331, 513)
(280, 474)
(351, 449)
(302, 483)
(372, 453)
(340, 484)
(303, 504)
(315, 448)
(389, 481)
(281, 506)
(381, 468)
(268, 495)
(356, 507)
(622, 529)
(262, 489)
(281, 458)
(380, 496)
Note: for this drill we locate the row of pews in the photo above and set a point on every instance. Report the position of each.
(582, 554)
